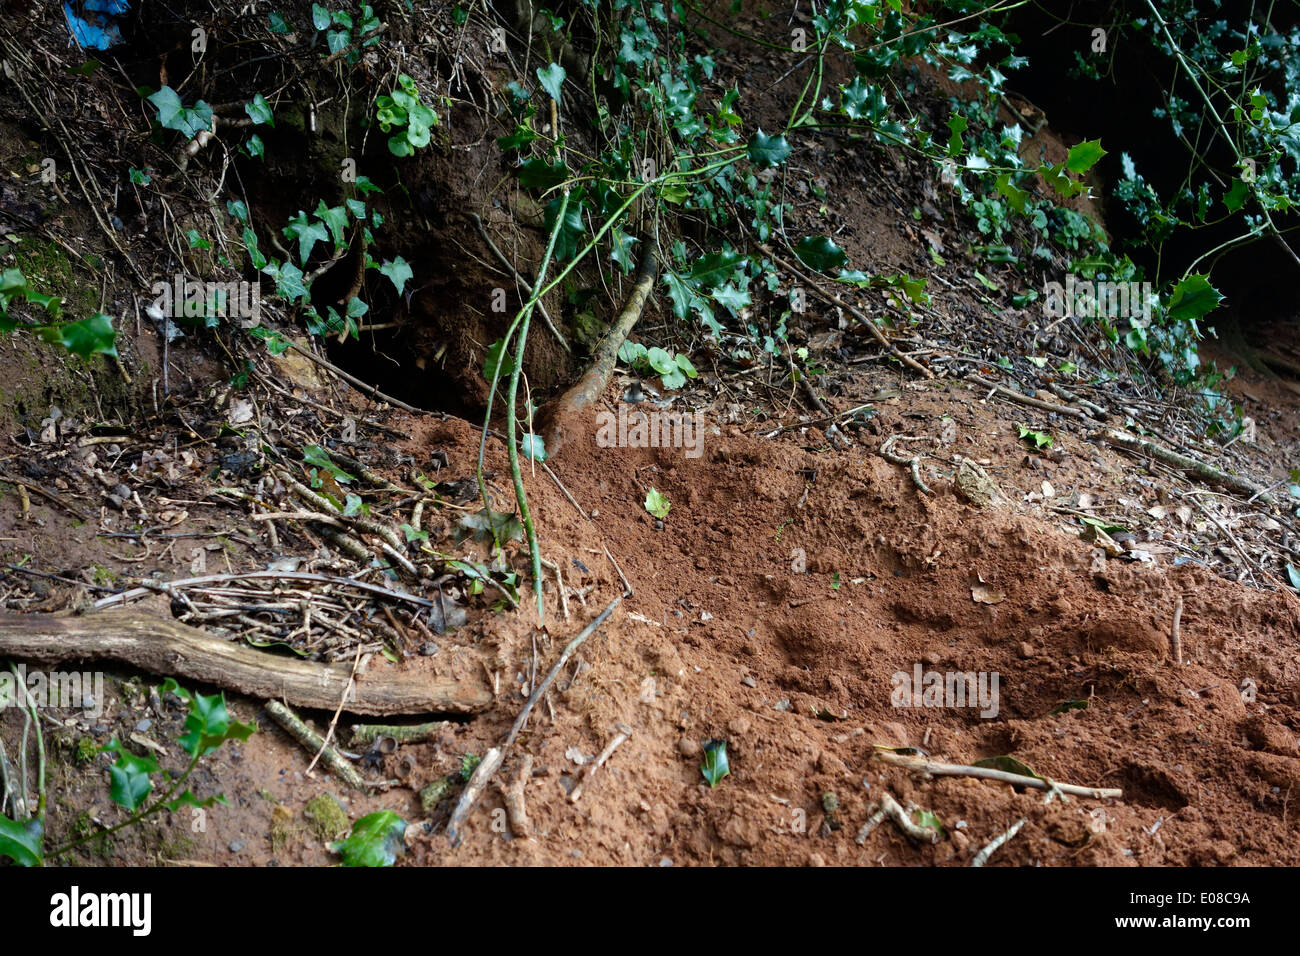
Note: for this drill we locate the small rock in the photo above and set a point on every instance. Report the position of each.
(428, 648)
(143, 726)
(666, 861)
(115, 501)
(689, 747)
(960, 842)
(749, 682)
(236, 846)
(931, 658)
(1026, 650)
(122, 491)
(816, 859)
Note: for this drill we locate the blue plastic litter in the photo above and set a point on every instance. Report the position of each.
(92, 23)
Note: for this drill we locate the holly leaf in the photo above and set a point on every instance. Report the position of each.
(767, 151)
(820, 253)
(21, 840)
(376, 840)
(1193, 297)
(1084, 156)
(715, 765)
(129, 783)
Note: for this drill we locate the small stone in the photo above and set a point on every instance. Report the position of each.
(666, 861)
(749, 682)
(816, 859)
(236, 846)
(1026, 650)
(931, 658)
(115, 501)
(428, 648)
(960, 842)
(689, 747)
(122, 491)
(143, 726)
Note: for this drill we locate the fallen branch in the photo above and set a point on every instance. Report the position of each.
(164, 646)
(934, 768)
(563, 416)
(1186, 463)
(1029, 400)
(313, 741)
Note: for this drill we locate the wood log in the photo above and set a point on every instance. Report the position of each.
(164, 646)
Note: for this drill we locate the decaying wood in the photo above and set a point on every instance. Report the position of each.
(165, 646)
(563, 418)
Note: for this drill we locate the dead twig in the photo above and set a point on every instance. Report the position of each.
(983, 855)
(299, 731)
(624, 732)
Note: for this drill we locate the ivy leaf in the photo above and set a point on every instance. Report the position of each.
(376, 840)
(657, 504)
(716, 765)
(1040, 439)
(1084, 156)
(21, 841)
(767, 151)
(307, 232)
(1006, 765)
(1193, 297)
(820, 253)
(336, 218)
(551, 78)
(398, 272)
(259, 111)
(320, 17)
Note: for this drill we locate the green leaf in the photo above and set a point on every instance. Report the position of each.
(1040, 439)
(533, 447)
(336, 218)
(129, 783)
(308, 232)
(538, 174)
(716, 267)
(657, 504)
(1084, 156)
(320, 17)
(1293, 575)
(551, 78)
(1015, 196)
(238, 209)
(956, 126)
(21, 840)
(411, 533)
(820, 253)
(1235, 197)
(767, 151)
(398, 272)
(715, 765)
(488, 525)
(1193, 297)
(495, 358)
(376, 840)
(318, 457)
(927, 819)
(92, 336)
(661, 362)
(255, 147)
(259, 111)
